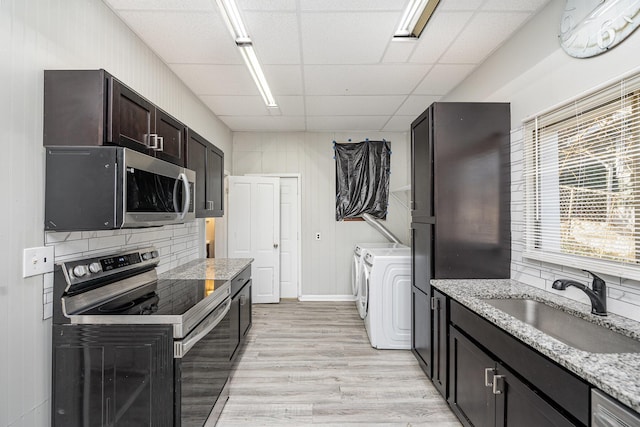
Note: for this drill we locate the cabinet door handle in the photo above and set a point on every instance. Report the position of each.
(210, 205)
(243, 299)
(435, 303)
(152, 137)
(488, 376)
(496, 379)
(160, 140)
(275, 246)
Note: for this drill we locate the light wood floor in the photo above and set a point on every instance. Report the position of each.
(311, 364)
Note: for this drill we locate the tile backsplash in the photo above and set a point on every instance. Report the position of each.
(177, 245)
(623, 295)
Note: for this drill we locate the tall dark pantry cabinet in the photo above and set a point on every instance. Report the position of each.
(460, 214)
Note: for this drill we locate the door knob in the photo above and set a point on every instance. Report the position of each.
(275, 246)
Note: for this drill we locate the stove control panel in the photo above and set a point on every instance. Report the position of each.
(78, 272)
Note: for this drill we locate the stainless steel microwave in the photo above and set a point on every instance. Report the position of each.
(98, 188)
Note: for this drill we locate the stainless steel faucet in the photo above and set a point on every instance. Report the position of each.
(597, 295)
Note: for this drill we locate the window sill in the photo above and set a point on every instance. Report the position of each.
(595, 265)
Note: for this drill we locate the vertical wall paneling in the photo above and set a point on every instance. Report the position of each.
(53, 34)
(326, 263)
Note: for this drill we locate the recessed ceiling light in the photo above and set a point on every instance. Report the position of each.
(415, 18)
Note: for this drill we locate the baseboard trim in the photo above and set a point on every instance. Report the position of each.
(327, 298)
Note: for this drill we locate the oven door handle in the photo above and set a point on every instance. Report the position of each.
(181, 348)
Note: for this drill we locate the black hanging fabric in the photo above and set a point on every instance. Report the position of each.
(362, 179)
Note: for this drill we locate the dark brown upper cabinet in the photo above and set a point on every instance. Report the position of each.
(91, 107)
(207, 161)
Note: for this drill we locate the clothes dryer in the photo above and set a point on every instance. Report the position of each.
(356, 266)
(385, 297)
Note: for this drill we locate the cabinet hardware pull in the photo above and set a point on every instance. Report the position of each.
(243, 299)
(495, 388)
(488, 373)
(210, 205)
(275, 246)
(152, 137)
(161, 141)
(433, 303)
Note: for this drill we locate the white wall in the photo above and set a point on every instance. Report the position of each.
(326, 264)
(37, 35)
(533, 73)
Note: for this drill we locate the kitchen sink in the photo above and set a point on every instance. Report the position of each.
(569, 329)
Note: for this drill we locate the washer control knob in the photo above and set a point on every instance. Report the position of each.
(95, 267)
(79, 270)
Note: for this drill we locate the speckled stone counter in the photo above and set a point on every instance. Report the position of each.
(208, 268)
(616, 374)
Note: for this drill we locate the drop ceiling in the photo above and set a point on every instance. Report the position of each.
(332, 65)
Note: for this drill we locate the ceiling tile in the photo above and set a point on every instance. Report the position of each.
(475, 43)
(354, 123)
(204, 33)
(415, 105)
(346, 38)
(399, 124)
(274, 37)
(460, 5)
(284, 79)
(352, 5)
(263, 123)
(270, 5)
(442, 78)
(399, 50)
(190, 5)
(216, 79)
(439, 35)
(353, 105)
(383, 79)
(523, 5)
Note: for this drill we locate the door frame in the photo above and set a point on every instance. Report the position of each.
(299, 219)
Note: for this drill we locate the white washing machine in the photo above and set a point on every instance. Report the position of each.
(385, 297)
(358, 260)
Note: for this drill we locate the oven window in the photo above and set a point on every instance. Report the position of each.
(149, 192)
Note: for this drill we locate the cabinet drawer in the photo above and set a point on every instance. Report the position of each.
(237, 282)
(561, 386)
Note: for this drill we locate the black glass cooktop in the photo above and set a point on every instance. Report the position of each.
(164, 297)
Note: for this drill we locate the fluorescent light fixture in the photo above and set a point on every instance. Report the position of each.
(250, 58)
(415, 18)
(239, 33)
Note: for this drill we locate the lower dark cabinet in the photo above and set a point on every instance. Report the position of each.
(240, 313)
(484, 393)
(421, 329)
(440, 341)
(245, 309)
(101, 378)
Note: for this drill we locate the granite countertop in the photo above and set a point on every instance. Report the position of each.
(207, 269)
(616, 374)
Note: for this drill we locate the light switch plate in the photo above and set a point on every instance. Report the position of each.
(37, 261)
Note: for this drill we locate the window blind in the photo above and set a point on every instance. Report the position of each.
(582, 182)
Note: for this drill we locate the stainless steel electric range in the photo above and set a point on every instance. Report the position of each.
(130, 350)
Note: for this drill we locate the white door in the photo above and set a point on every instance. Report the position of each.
(254, 231)
(289, 237)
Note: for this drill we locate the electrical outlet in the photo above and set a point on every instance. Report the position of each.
(37, 261)
(318, 237)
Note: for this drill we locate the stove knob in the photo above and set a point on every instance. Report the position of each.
(95, 267)
(79, 270)
(154, 254)
(146, 256)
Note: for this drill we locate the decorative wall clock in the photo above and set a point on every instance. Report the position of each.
(591, 27)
